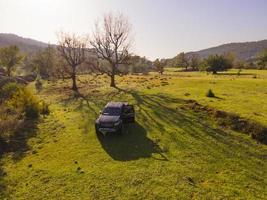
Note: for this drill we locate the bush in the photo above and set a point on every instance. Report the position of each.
(38, 85)
(19, 109)
(25, 101)
(44, 109)
(217, 63)
(210, 93)
(8, 90)
(32, 110)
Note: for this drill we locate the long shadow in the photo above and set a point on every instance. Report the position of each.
(132, 145)
(17, 142)
(155, 112)
(16, 145)
(234, 74)
(160, 115)
(216, 97)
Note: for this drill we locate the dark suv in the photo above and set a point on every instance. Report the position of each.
(113, 116)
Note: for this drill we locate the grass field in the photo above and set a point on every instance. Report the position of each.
(170, 153)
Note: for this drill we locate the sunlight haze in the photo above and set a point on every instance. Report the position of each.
(160, 28)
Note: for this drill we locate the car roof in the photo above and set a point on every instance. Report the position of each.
(116, 104)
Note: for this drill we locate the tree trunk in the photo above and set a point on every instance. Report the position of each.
(73, 77)
(112, 81)
(9, 72)
(112, 77)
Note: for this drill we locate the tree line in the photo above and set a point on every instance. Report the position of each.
(213, 63)
(107, 51)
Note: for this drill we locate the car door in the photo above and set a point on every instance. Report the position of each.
(128, 114)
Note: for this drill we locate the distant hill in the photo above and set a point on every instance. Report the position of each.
(25, 44)
(245, 50)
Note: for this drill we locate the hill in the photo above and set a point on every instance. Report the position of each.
(244, 50)
(25, 44)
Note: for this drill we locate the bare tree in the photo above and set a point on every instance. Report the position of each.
(72, 48)
(111, 43)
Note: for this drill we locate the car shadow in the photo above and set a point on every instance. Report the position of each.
(133, 144)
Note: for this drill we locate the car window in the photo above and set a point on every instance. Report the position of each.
(111, 111)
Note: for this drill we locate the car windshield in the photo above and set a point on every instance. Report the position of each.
(111, 111)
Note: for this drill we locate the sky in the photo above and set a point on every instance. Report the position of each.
(160, 28)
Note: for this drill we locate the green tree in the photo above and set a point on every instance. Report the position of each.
(10, 58)
(262, 59)
(139, 64)
(194, 61)
(159, 65)
(239, 64)
(215, 63)
(230, 58)
(182, 60)
(44, 62)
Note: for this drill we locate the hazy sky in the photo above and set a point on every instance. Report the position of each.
(161, 28)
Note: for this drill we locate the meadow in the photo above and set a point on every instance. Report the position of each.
(169, 153)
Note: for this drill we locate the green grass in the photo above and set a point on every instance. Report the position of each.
(243, 95)
(170, 153)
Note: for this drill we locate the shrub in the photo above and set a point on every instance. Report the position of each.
(8, 90)
(8, 124)
(44, 109)
(25, 101)
(19, 109)
(32, 110)
(216, 63)
(30, 104)
(210, 93)
(38, 85)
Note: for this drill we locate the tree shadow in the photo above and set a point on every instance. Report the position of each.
(133, 144)
(17, 145)
(216, 97)
(17, 142)
(160, 112)
(161, 115)
(233, 74)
